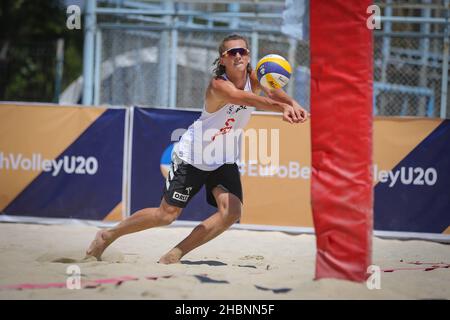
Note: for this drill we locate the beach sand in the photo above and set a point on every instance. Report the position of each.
(238, 264)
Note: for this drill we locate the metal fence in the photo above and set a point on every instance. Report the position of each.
(409, 58)
(164, 59)
(137, 65)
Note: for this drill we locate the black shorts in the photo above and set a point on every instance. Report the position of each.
(184, 181)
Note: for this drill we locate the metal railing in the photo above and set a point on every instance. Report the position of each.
(160, 53)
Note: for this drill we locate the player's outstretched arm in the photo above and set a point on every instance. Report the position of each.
(281, 96)
(226, 92)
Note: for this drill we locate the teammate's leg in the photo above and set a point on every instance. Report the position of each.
(141, 220)
(229, 211)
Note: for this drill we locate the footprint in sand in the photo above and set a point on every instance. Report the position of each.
(78, 257)
(64, 260)
(246, 266)
(252, 257)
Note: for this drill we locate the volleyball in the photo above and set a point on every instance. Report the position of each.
(273, 71)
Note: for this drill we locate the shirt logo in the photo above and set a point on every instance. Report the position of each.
(224, 130)
(231, 110)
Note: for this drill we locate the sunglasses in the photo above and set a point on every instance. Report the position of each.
(234, 51)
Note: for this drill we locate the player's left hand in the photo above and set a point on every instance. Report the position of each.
(302, 114)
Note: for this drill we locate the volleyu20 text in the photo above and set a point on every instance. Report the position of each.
(406, 175)
(66, 164)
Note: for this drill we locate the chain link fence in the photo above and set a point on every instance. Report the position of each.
(138, 63)
(129, 68)
(408, 61)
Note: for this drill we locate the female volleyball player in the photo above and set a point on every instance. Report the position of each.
(232, 95)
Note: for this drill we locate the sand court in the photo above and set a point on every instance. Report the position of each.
(240, 264)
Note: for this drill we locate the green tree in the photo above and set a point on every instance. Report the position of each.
(29, 30)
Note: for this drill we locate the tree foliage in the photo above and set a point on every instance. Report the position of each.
(29, 30)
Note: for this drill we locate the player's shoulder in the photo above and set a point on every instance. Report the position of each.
(253, 75)
(218, 83)
(216, 93)
(219, 79)
(256, 87)
(217, 88)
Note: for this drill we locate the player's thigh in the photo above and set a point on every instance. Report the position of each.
(183, 182)
(169, 211)
(227, 203)
(228, 179)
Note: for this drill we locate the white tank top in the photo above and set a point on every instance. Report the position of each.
(215, 138)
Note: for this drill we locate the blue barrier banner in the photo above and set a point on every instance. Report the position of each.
(414, 195)
(151, 148)
(61, 162)
(67, 162)
(411, 172)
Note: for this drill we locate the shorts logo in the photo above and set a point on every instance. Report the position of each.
(180, 197)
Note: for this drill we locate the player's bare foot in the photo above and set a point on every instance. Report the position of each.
(99, 244)
(173, 256)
